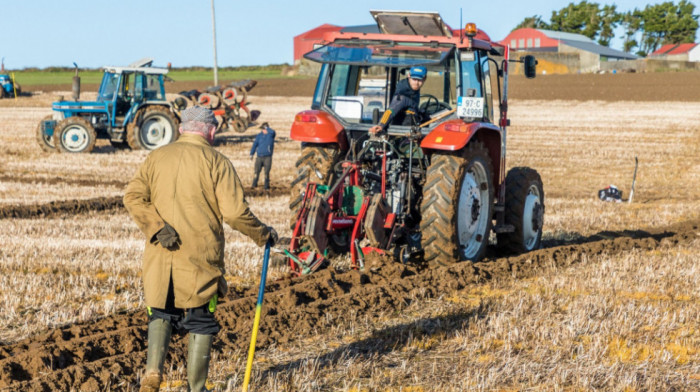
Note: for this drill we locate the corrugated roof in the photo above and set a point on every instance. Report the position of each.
(682, 48)
(663, 50)
(560, 35)
(599, 49)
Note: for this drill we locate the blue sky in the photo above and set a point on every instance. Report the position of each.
(41, 33)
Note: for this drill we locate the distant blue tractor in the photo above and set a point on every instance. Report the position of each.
(9, 87)
(131, 111)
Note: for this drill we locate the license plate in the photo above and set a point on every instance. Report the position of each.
(470, 107)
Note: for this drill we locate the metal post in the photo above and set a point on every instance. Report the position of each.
(213, 28)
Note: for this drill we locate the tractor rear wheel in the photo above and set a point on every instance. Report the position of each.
(524, 210)
(315, 164)
(45, 137)
(155, 127)
(74, 135)
(457, 206)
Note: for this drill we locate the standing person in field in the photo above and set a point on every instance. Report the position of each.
(264, 146)
(178, 198)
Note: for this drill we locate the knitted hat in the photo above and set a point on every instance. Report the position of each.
(199, 114)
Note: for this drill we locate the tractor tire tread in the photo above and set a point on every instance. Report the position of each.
(314, 157)
(439, 206)
(518, 180)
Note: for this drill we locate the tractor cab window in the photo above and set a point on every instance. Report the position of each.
(358, 78)
(151, 89)
(438, 93)
(356, 92)
(109, 86)
(477, 84)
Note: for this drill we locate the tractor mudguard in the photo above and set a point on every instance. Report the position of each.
(316, 126)
(453, 135)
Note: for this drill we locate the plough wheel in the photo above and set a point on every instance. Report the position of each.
(210, 101)
(315, 164)
(230, 95)
(241, 125)
(457, 205)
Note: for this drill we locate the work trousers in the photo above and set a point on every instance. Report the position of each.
(199, 320)
(261, 162)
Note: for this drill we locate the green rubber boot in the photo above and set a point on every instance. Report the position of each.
(159, 332)
(198, 356)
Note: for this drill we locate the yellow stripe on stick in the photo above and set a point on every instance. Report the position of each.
(251, 349)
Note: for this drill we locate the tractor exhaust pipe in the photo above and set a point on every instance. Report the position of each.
(76, 84)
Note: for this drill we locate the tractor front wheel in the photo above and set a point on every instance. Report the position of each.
(524, 210)
(44, 136)
(155, 127)
(74, 135)
(456, 210)
(316, 164)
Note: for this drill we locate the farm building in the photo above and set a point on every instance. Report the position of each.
(679, 52)
(587, 54)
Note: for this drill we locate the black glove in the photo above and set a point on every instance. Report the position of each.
(273, 238)
(167, 236)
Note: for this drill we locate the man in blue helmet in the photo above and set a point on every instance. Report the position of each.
(404, 104)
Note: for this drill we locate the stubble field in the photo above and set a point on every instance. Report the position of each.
(611, 302)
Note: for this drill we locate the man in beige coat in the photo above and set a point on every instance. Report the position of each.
(179, 197)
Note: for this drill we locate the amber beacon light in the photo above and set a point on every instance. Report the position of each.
(470, 29)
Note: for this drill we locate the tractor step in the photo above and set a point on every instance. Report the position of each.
(504, 229)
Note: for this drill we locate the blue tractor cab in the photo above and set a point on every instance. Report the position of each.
(131, 111)
(8, 87)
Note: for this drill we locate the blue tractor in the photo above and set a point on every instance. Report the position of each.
(131, 111)
(8, 87)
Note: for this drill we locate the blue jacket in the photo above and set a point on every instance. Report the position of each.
(404, 98)
(264, 144)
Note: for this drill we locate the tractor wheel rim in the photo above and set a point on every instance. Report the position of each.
(472, 210)
(156, 131)
(532, 218)
(75, 138)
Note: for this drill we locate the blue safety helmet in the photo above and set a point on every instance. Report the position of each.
(418, 72)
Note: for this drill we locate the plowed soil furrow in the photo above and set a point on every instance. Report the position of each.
(72, 207)
(111, 351)
(68, 181)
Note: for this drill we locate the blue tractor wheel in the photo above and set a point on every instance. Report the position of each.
(44, 133)
(74, 135)
(155, 127)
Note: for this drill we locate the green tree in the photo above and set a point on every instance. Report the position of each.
(532, 22)
(609, 20)
(582, 18)
(632, 22)
(667, 23)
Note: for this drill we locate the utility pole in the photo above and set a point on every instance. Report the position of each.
(213, 28)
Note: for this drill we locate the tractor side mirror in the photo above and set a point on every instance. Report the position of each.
(529, 66)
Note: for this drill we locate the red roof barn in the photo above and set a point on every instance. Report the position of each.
(682, 52)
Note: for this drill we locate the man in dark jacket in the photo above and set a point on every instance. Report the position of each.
(264, 146)
(179, 197)
(405, 102)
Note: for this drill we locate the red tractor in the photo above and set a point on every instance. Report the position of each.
(432, 187)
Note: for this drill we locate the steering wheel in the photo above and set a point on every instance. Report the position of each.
(432, 105)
